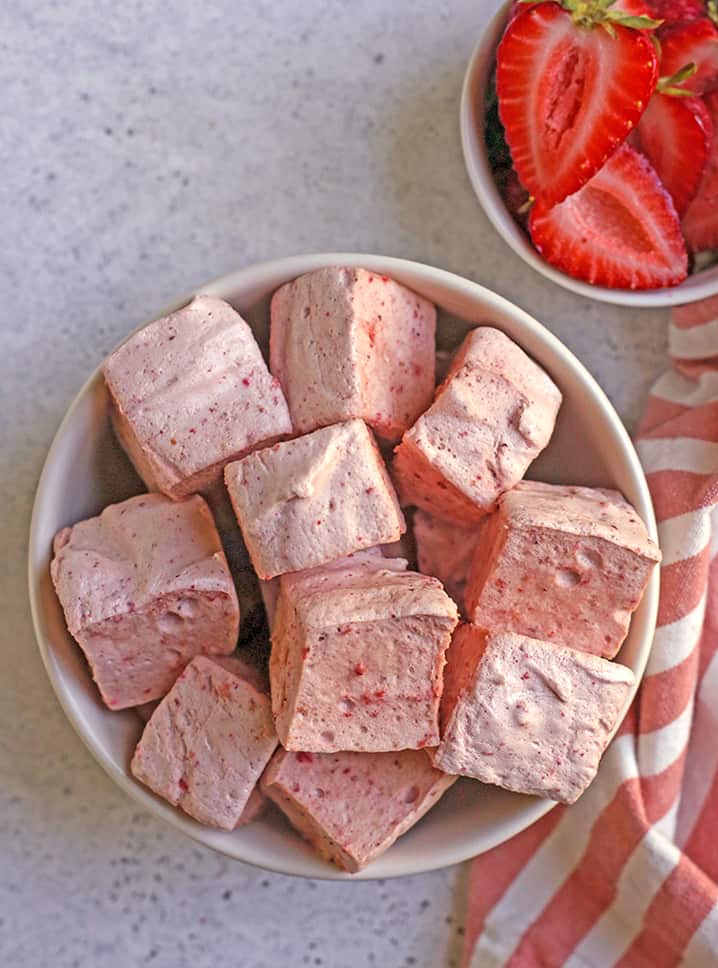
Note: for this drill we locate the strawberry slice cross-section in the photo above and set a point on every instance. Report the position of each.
(620, 230)
(675, 134)
(700, 223)
(691, 42)
(569, 95)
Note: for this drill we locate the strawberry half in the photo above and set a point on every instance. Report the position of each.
(696, 42)
(635, 8)
(700, 223)
(620, 230)
(675, 135)
(569, 94)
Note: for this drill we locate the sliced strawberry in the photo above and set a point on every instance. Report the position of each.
(696, 42)
(700, 223)
(635, 8)
(669, 10)
(620, 230)
(569, 95)
(675, 135)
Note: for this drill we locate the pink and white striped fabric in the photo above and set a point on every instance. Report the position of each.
(628, 876)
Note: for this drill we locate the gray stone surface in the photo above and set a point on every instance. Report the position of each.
(146, 147)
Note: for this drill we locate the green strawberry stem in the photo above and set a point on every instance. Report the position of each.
(598, 13)
(670, 85)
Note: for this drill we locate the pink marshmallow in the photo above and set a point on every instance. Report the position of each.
(246, 669)
(207, 744)
(564, 564)
(145, 587)
(351, 807)
(491, 417)
(307, 501)
(191, 392)
(527, 715)
(350, 343)
(358, 650)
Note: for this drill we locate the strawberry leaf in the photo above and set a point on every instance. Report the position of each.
(670, 85)
(637, 23)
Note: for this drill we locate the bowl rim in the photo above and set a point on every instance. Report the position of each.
(698, 286)
(291, 267)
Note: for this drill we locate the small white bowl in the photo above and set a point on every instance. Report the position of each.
(85, 470)
(481, 66)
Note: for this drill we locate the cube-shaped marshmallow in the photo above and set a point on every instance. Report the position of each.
(358, 651)
(247, 669)
(445, 550)
(350, 343)
(244, 668)
(145, 587)
(527, 715)
(351, 807)
(251, 672)
(207, 744)
(565, 564)
(191, 392)
(257, 801)
(493, 414)
(305, 502)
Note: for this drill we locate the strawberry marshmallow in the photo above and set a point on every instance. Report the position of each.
(351, 807)
(445, 550)
(191, 392)
(350, 343)
(240, 667)
(305, 502)
(358, 650)
(246, 669)
(565, 564)
(207, 744)
(493, 414)
(145, 587)
(527, 715)
(257, 801)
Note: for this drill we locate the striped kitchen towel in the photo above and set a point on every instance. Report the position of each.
(628, 876)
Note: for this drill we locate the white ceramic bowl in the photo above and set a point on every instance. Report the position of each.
(481, 66)
(85, 470)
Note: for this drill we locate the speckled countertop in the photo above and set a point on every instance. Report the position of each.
(145, 148)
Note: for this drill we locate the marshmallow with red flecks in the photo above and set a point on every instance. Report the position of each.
(491, 417)
(191, 392)
(257, 802)
(256, 676)
(526, 715)
(207, 744)
(351, 807)
(305, 502)
(145, 587)
(358, 650)
(350, 343)
(233, 663)
(564, 564)
(445, 550)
